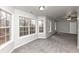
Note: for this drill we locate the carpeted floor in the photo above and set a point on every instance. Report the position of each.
(58, 43)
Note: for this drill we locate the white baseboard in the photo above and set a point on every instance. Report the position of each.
(28, 42)
(50, 35)
(21, 45)
(11, 50)
(77, 47)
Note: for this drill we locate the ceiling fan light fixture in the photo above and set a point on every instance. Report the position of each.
(69, 19)
(41, 7)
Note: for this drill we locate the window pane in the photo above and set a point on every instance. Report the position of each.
(32, 26)
(22, 29)
(8, 19)
(7, 30)
(2, 35)
(21, 22)
(2, 31)
(22, 34)
(26, 29)
(2, 39)
(32, 30)
(7, 34)
(26, 33)
(26, 21)
(2, 23)
(32, 23)
(40, 29)
(7, 22)
(3, 14)
(7, 37)
(40, 24)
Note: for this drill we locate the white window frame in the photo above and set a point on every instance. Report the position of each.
(29, 26)
(7, 14)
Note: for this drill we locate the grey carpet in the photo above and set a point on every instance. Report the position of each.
(58, 43)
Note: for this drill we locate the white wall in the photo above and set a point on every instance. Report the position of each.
(24, 39)
(62, 27)
(73, 27)
(48, 32)
(66, 27)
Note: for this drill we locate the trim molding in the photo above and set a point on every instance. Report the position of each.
(21, 45)
(28, 42)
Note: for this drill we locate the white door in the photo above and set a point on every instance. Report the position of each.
(73, 27)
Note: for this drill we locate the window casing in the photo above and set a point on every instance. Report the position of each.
(5, 18)
(27, 26)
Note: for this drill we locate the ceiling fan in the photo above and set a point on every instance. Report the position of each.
(71, 15)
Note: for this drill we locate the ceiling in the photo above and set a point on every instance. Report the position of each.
(50, 11)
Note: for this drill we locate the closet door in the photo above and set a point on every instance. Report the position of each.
(73, 27)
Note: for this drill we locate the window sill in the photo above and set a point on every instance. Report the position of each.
(5, 44)
(26, 36)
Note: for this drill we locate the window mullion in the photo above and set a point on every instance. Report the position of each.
(5, 28)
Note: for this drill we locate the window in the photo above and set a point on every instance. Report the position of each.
(40, 24)
(5, 18)
(23, 26)
(27, 26)
(32, 26)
